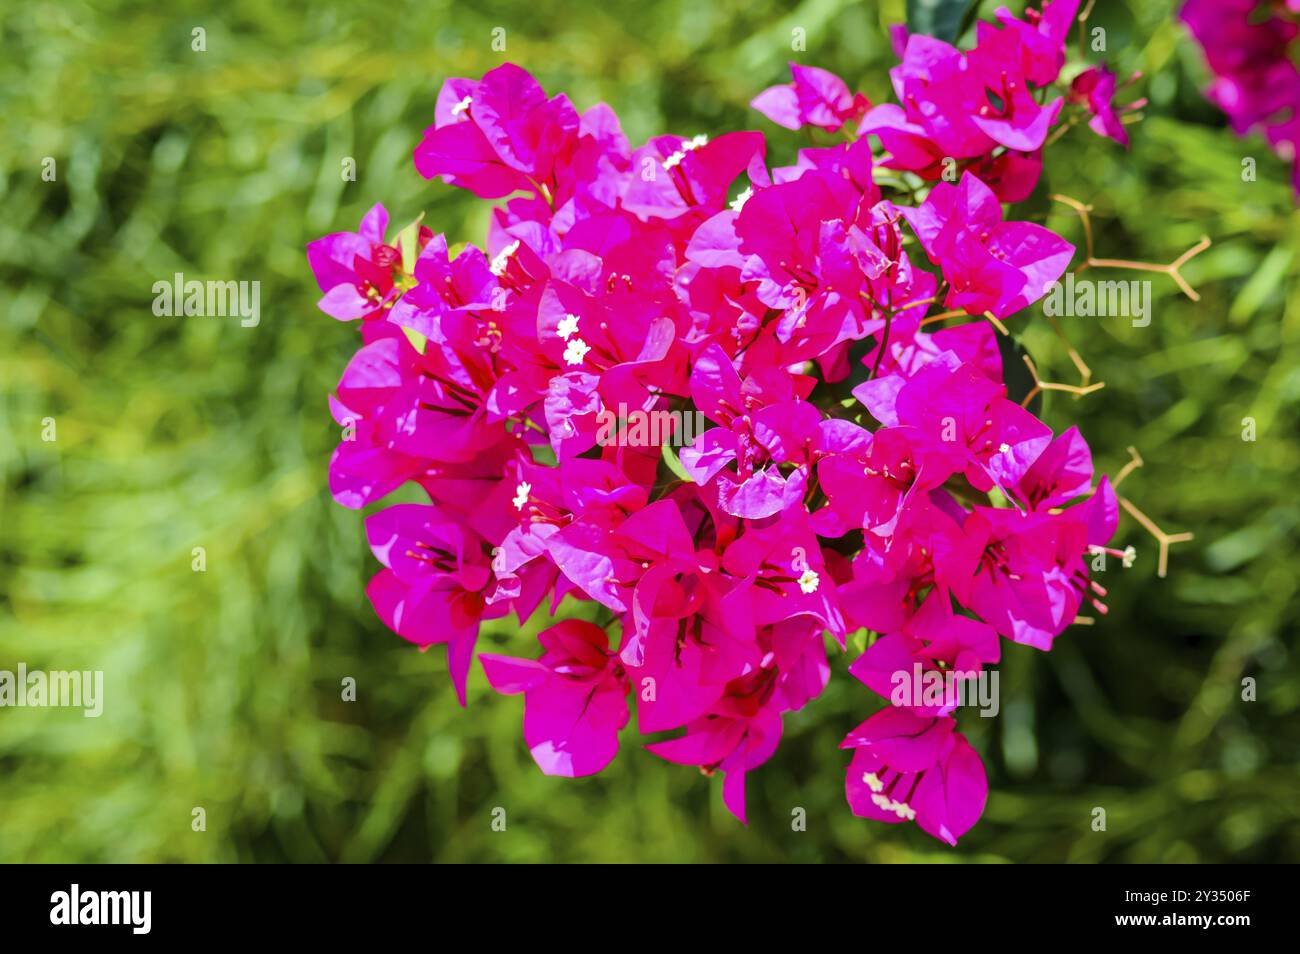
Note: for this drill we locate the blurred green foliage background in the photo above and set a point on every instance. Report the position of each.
(223, 687)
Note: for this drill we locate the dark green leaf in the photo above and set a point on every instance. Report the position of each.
(1014, 371)
(943, 19)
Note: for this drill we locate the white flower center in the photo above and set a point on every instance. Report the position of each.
(575, 351)
(502, 259)
(522, 491)
(689, 145)
(568, 325)
(901, 809)
(739, 201)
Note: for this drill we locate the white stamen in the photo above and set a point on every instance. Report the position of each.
(575, 351)
(901, 809)
(502, 259)
(568, 325)
(689, 145)
(521, 494)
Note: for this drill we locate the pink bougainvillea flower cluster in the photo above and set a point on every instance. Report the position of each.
(989, 109)
(1252, 49)
(856, 467)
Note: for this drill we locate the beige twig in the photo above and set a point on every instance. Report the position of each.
(1041, 385)
(1135, 461)
(1164, 539)
(1173, 269)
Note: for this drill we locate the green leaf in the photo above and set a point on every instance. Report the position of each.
(998, 499)
(1016, 375)
(418, 341)
(408, 243)
(1266, 280)
(675, 465)
(943, 19)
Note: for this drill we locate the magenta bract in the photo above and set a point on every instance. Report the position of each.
(797, 451)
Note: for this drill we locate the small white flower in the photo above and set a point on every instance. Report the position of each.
(809, 581)
(1004, 447)
(575, 351)
(521, 494)
(901, 809)
(739, 201)
(568, 325)
(1130, 556)
(502, 259)
(689, 145)
(460, 107)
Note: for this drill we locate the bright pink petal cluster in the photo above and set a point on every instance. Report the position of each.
(851, 470)
(1253, 52)
(988, 109)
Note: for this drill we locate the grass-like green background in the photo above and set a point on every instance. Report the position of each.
(223, 687)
